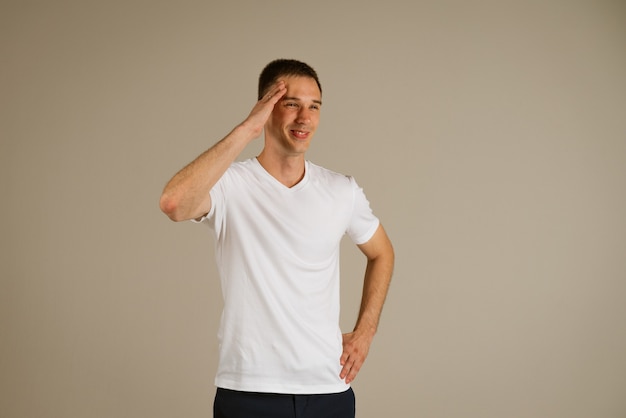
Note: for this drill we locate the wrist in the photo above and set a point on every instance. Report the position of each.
(364, 329)
(248, 130)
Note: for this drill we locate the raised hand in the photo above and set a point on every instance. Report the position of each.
(263, 108)
(186, 195)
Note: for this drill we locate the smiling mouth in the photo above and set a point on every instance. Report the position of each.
(300, 134)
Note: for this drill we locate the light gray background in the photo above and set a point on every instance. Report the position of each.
(490, 137)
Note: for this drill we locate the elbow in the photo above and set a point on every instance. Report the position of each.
(170, 207)
(387, 257)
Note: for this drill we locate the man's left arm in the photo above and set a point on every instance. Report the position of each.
(356, 344)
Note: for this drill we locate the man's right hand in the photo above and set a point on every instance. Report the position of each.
(263, 109)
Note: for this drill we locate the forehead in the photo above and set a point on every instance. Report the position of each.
(303, 88)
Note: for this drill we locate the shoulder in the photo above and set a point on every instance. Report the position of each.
(245, 169)
(242, 166)
(325, 175)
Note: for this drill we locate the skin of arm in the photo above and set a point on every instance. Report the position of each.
(186, 196)
(356, 344)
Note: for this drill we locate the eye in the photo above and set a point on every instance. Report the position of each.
(291, 104)
(315, 107)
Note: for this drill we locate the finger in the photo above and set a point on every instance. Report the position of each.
(276, 90)
(345, 372)
(344, 358)
(350, 371)
(352, 375)
(347, 361)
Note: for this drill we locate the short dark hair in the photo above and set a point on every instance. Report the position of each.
(284, 68)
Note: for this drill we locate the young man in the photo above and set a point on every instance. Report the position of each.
(278, 221)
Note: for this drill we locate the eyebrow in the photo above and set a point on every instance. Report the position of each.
(319, 102)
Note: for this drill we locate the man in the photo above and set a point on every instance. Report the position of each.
(278, 221)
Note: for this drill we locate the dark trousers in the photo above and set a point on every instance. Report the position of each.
(235, 404)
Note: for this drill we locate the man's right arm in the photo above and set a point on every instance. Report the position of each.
(186, 196)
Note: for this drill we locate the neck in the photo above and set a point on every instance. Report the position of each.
(289, 171)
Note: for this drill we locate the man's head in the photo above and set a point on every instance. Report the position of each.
(284, 68)
(295, 116)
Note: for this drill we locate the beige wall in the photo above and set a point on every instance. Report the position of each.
(489, 136)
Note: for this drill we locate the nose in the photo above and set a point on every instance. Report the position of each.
(304, 116)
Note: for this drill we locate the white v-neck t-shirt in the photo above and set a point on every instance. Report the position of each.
(277, 254)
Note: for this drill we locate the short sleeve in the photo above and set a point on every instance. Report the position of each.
(215, 215)
(206, 218)
(363, 223)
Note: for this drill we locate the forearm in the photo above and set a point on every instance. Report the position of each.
(375, 287)
(186, 195)
(380, 259)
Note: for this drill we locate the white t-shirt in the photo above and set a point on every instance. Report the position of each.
(277, 254)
